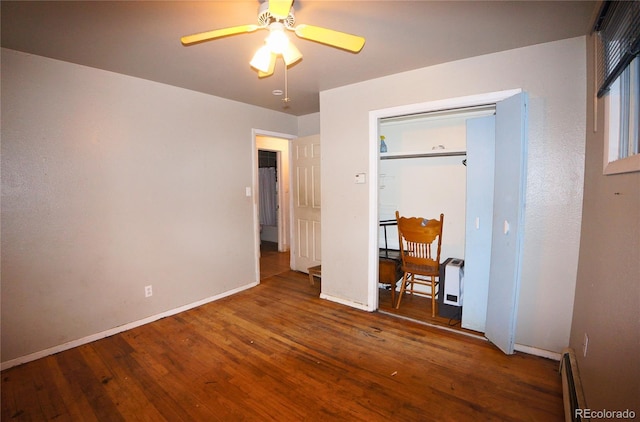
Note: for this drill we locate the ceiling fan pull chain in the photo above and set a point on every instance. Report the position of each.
(286, 98)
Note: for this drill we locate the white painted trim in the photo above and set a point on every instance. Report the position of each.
(623, 165)
(85, 340)
(611, 164)
(440, 327)
(270, 134)
(446, 104)
(346, 302)
(373, 254)
(374, 117)
(537, 352)
(519, 347)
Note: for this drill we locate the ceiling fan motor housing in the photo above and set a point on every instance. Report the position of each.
(265, 18)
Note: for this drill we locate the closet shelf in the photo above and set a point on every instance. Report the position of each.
(424, 154)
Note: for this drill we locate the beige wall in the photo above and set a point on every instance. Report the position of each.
(607, 299)
(111, 183)
(554, 76)
(309, 124)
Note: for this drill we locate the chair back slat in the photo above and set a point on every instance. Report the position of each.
(417, 238)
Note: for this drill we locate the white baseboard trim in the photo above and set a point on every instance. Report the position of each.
(439, 327)
(519, 347)
(345, 302)
(537, 352)
(116, 330)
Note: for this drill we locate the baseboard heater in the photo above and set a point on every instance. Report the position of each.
(572, 393)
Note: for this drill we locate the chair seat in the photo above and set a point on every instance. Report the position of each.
(428, 270)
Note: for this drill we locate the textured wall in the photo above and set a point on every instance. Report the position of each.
(554, 76)
(109, 184)
(607, 300)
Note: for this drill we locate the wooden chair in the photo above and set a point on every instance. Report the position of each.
(418, 237)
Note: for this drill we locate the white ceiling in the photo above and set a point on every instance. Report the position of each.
(142, 39)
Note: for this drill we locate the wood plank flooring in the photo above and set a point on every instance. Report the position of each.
(278, 352)
(272, 262)
(418, 308)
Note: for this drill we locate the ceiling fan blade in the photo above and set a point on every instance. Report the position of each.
(272, 66)
(279, 9)
(218, 33)
(330, 37)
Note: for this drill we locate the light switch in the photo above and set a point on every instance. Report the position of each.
(506, 227)
(247, 191)
(361, 178)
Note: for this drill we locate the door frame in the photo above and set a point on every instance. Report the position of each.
(374, 155)
(283, 230)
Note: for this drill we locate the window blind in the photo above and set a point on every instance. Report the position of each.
(618, 29)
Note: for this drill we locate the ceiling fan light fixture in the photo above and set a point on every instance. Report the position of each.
(277, 39)
(291, 54)
(271, 68)
(277, 16)
(262, 59)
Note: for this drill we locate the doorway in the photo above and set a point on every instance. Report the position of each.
(268, 197)
(273, 233)
(273, 155)
(507, 221)
(298, 218)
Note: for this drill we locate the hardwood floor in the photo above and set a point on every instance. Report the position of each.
(418, 308)
(272, 262)
(278, 352)
(415, 307)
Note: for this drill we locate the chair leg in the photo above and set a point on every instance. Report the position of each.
(433, 297)
(402, 286)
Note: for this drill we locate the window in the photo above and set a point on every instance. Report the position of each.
(618, 73)
(623, 115)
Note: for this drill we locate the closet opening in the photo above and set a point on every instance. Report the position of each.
(465, 158)
(422, 172)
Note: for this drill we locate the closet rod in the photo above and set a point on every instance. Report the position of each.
(424, 155)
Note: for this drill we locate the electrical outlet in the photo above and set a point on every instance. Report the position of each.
(148, 291)
(585, 344)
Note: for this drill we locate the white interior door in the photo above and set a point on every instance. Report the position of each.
(481, 139)
(306, 203)
(508, 221)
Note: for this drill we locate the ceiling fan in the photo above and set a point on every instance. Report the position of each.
(277, 16)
